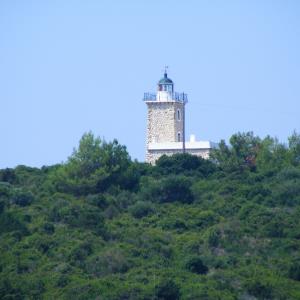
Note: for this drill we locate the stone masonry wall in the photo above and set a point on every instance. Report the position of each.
(178, 124)
(162, 123)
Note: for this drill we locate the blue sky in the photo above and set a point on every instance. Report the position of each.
(67, 67)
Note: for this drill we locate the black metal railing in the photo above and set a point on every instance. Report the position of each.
(149, 97)
(179, 97)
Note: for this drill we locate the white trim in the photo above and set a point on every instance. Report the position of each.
(178, 145)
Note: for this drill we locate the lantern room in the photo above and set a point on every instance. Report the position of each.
(165, 84)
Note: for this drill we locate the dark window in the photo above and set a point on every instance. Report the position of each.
(178, 115)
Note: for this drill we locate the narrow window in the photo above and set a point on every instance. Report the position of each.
(178, 137)
(178, 115)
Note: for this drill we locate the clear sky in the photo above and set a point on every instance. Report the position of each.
(67, 67)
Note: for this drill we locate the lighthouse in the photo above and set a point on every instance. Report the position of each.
(166, 123)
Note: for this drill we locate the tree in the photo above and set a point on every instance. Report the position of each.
(184, 164)
(169, 189)
(8, 175)
(294, 271)
(272, 155)
(245, 147)
(167, 289)
(294, 147)
(195, 265)
(22, 197)
(141, 209)
(241, 155)
(93, 167)
(87, 158)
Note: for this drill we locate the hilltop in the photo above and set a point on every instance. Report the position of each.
(101, 226)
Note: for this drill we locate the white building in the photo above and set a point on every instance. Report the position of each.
(166, 124)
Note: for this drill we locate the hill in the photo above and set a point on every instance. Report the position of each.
(102, 226)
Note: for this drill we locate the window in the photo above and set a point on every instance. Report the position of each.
(178, 137)
(178, 115)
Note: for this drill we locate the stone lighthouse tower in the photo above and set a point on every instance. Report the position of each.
(166, 124)
(165, 120)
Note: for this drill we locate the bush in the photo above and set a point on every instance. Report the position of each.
(79, 253)
(2, 206)
(294, 272)
(141, 209)
(206, 218)
(184, 164)
(289, 173)
(110, 262)
(8, 291)
(9, 222)
(62, 281)
(8, 175)
(213, 237)
(4, 189)
(169, 189)
(98, 200)
(167, 289)
(78, 216)
(288, 192)
(195, 265)
(259, 289)
(48, 228)
(21, 197)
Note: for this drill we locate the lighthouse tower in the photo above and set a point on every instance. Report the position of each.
(166, 124)
(165, 120)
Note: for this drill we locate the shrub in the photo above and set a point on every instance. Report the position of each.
(169, 189)
(167, 289)
(98, 200)
(4, 189)
(174, 223)
(21, 197)
(79, 253)
(195, 265)
(206, 218)
(110, 262)
(289, 173)
(48, 228)
(141, 209)
(62, 281)
(83, 216)
(184, 164)
(288, 192)
(2, 206)
(259, 289)
(8, 291)
(9, 222)
(8, 175)
(294, 272)
(213, 237)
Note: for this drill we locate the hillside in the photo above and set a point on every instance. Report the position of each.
(102, 226)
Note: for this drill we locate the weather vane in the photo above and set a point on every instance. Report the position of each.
(166, 68)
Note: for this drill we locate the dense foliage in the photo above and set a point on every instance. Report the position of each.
(101, 226)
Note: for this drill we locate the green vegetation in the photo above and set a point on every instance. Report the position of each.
(102, 226)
